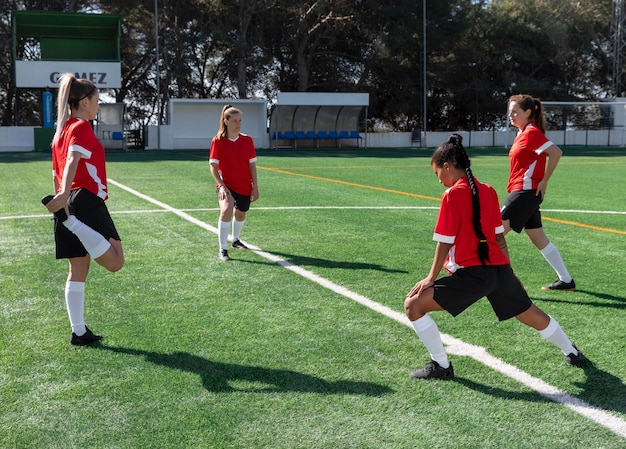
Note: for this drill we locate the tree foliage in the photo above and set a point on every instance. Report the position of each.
(478, 52)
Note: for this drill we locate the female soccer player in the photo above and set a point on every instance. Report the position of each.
(233, 166)
(83, 228)
(528, 179)
(471, 246)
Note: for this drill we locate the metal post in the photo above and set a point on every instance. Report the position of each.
(158, 72)
(424, 112)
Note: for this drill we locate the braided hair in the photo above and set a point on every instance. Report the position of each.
(454, 153)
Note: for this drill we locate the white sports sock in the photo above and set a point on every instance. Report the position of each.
(237, 227)
(555, 335)
(223, 227)
(94, 242)
(552, 255)
(75, 304)
(428, 332)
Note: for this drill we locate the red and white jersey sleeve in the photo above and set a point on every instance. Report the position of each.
(527, 159)
(454, 225)
(78, 136)
(233, 158)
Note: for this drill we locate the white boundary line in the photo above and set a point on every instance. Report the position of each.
(454, 345)
(261, 208)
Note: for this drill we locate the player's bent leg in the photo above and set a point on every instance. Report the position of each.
(534, 317)
(113, 258)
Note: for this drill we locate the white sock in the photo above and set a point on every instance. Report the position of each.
(555, 335)
(428, 332)
(237, 227)
(75, 304)
(94, 242)
(552, 255)
(223, 227)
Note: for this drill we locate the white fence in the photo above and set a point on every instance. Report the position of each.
(21, 138)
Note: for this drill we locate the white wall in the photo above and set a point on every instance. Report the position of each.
(21, 138)
(194, 122)
(17, 138)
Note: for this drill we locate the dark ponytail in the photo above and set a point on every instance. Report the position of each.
(454, 153)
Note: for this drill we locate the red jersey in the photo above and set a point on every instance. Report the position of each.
(454, 225)
(527, 159)
(78, 136)
(233, 159)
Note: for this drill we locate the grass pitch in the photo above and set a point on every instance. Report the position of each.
(248, 354)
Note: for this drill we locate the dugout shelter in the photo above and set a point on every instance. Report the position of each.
(319, 119)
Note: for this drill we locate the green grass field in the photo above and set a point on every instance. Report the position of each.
(249, 354)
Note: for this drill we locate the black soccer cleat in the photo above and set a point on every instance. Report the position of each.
(86, 339)
(560, 285)
(577, 360)
(239, 245)
(433, 370)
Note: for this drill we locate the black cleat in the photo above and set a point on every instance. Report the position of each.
(433, 370)
(237, 244)
(560, 285)
(577, 360)
(86, 339)
(60, 214)
(224, 255)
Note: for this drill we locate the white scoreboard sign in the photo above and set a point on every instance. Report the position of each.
(42, 74)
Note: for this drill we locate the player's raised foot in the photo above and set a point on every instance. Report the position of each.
(86, 339)
(560, 285)
(237, 244)
(433, 370)
(224, 255)
(60, 214)
(576, 360)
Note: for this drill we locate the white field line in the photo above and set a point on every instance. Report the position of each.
(454, 345)
(261, 208)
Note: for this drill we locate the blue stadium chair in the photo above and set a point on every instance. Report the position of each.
(118, 135)
(355, 135)
(323, 135)
(333, 135)
(277, 135)
(344, 135)
(311, 135)
(300, 135)
(289, 135)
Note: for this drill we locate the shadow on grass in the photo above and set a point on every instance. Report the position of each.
(619, 302)
(328, 263)
(221, 377)
(600, 389)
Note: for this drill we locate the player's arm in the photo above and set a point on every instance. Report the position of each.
(441, 252)
(554, 155)
(255, 187)
(501, 241)
(69, 172)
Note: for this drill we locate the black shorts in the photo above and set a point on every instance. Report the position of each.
(459, 290)
(521, 208)
(242, 202)
(91, 210)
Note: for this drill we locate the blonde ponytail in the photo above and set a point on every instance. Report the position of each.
(63, 105)
(71, 91)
